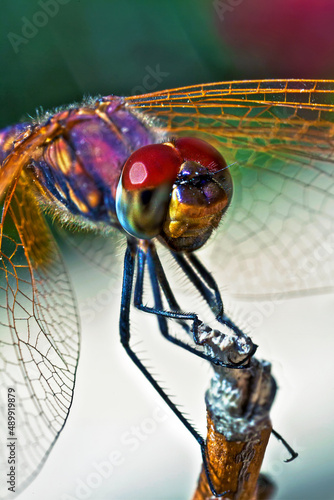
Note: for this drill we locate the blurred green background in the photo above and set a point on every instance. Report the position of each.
(104, 47)
(55, 51)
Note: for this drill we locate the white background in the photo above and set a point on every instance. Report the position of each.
(112, 399)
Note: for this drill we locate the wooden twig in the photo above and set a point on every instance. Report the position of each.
(238, 423)
(234, 465)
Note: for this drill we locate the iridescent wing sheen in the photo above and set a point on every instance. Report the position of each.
(278, 137)
(8, 136)
(39, 342)
(14, 156)
(106, 252)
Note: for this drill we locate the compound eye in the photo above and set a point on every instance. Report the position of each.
(201, 152)
(144, 189)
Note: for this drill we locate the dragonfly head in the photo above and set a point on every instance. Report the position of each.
(176, 191)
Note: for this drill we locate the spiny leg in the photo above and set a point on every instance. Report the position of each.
(215, 305)
(206, 294)
(210, 281)
(292, 452)
(202, 279)
(124, 327)
(155, 269)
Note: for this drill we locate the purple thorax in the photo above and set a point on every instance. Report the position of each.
(103, 147)
(79, 169)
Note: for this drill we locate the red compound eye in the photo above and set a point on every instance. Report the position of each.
(192, 149)
(145, 187)
(150, 177)
(150, 167)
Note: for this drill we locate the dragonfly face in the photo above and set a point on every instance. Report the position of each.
(277, 137)
(178, 191)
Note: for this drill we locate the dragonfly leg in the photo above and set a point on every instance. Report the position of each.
(203, 282)
(172, 302)
(292, 452)
(129, 268)
(157, 274)
(206, 285)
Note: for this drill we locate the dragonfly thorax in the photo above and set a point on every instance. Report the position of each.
(78, 158)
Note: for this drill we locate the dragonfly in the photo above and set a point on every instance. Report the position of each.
(252, 157)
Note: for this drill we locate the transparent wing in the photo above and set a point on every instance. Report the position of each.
(39, 341)
(278, 138)
(105, 251)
